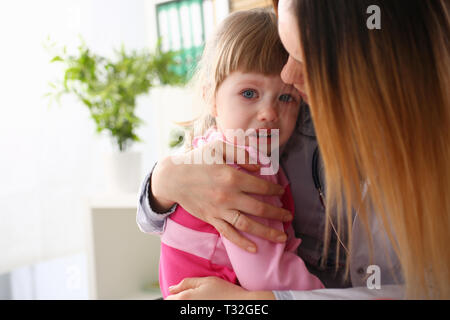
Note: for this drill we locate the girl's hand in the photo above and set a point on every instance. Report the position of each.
(217, 193)
(213, 288)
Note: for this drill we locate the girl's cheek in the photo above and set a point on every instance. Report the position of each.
(291, 110)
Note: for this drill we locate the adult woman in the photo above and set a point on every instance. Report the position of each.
(381, 107)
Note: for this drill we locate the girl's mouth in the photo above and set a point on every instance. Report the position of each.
(264, 133)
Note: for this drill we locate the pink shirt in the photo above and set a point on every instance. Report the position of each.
(191, 247)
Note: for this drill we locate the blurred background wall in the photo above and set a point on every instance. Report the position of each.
(52, 161)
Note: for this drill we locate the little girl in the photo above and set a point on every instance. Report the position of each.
(239, 77)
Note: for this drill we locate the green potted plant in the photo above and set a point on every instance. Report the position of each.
(109, 88)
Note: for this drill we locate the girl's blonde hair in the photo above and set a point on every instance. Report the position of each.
(380, 101)
(246, 41)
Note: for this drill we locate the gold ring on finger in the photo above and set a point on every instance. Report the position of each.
(236, 218)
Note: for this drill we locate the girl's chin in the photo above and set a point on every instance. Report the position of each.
(263, 145)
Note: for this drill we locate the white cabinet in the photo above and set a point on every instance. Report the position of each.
(122, 260)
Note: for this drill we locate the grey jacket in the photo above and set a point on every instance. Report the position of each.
(309, 224)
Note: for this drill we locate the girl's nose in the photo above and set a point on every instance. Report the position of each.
(268, 113)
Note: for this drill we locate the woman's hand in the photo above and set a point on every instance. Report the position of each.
(213, 288)
(216, 193)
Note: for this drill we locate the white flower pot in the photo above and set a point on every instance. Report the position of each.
(123, 172)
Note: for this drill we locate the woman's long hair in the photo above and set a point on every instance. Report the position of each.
(380, 101)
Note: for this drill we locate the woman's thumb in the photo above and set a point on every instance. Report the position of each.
(188, 283)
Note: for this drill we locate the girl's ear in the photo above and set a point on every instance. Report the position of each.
(213, 108)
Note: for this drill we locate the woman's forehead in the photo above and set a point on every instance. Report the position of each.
(283, 5)
(288, 29)
(275, 5)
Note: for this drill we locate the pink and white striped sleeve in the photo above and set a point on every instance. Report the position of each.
(272, 267)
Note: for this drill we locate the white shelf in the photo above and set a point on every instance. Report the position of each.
(141, 295)
(121, 258)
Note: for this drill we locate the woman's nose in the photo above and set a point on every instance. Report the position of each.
(292, 73)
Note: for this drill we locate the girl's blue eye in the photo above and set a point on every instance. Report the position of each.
(286, 98)
(249, 94)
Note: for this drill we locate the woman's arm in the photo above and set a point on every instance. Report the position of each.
(213, 193)
(386, 292)
(148, 219)
(213, 288)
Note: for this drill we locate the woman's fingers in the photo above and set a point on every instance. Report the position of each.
(245, 224)
(232, 154)
(185, 284)
(210, 288)
(215, 193)
(250, 205)
(257, 185)
(248, 225)
(231, 234)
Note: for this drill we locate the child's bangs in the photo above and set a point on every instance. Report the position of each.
(255, 47)
(267, 57)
